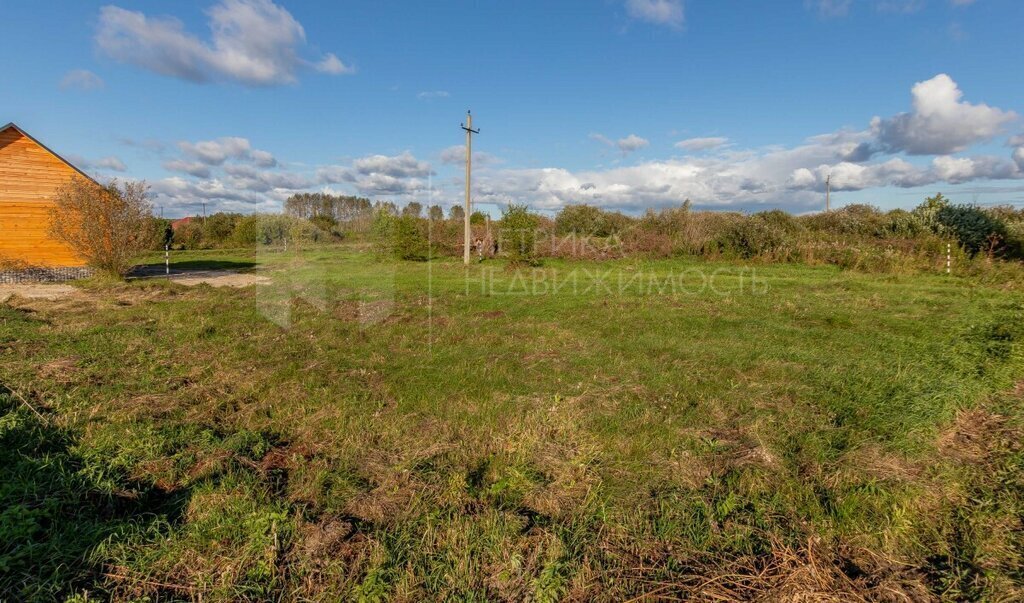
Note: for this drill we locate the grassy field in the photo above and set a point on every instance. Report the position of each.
(364, 429)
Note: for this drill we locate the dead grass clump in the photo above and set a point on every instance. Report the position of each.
(809, 572)
(874, 461)
(976, 434)
(60, 370)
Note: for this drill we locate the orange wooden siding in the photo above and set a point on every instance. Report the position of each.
(29, 177)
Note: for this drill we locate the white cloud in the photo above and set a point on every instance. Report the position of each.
(660, 12)
(631, 143)
(957, 170)
(332, 65)
(193, 168)
(109, 163)
(263, 159)
(899, 6)
(398, 166)
(402, 174)
(829, 8)
(456, 155)
(1018, 158)
(432, 94)
(253, 42)
(81, 79)
(940, 123)
(216, 152)
(701, 144)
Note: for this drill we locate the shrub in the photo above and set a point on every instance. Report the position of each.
(160, 233)
(410, 241)
(218, 228)
(587, 220)
(753, 236)
(518, 229)
(903, 224)
(928, 212)
(400, 236)
(108, 226)
(269, 229)
(863, 220)
(188, 235)
(973, 228)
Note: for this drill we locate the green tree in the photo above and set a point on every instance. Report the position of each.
(518, 228)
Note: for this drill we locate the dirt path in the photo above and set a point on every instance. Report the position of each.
(214, 278)
(47, 291)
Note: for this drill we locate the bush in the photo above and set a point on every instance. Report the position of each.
(402, 236)
(218, 229)
(586, 220)
(862, 220)
(108, 226)
(160, 233)
(973, 228)
(410, 241)
(270, 229)
(903, 224)
(518, 229)
(754, 236)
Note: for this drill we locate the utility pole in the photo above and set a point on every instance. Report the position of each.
(468, 127)
(828, 192)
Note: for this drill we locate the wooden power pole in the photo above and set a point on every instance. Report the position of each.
(828, 192)
(468, 127)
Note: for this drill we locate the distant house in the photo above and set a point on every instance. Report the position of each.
(30, 175)
(176, 224)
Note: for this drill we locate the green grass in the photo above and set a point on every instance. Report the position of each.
(364, 429)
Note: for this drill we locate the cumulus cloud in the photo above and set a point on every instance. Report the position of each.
(701, 144)
(456, 155)
(81, 79)
(192, 168)
(659, 12)
(631, 143)
(940, 122)
(263, 159)
(332, 65)
(216, 152)
(397, 166)
(109, 163)
(388, 175)
(252, 42)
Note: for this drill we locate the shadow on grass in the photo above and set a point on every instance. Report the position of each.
(187, 265)
(56, 506)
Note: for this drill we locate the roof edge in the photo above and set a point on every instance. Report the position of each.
(12, 125)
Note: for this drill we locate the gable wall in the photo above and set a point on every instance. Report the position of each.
(29, 176)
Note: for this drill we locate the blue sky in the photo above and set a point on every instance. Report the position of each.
(626, 104)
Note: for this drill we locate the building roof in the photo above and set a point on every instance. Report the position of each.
(15, 127)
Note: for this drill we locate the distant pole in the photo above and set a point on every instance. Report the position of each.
(828, 193)
(204, 212)
(167, 258)
(467, 232)
(949, 258)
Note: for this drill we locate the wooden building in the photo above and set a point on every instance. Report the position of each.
(30, 174)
